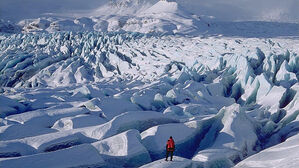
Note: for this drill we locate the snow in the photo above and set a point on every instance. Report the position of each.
(162, 7)
(79, 121)
(10, 107)
(284, 76)
(36, 25)
(74, 97)
(264, 88)
(155, 138)
(123, 150)
(282, 155)
(178, 162)
(17, 131)
(78, 156)
(143, 16)
(70, 137)
(127, 120)
(46, 117)
(274, 95)
(8, 27)
(236, 135)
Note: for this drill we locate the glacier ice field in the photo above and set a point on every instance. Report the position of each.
(92, 99)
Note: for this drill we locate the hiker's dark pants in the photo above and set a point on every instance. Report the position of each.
(171, 154)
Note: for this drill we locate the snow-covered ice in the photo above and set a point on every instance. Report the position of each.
(79, 156)
(282, 155)
(178, 162)
(236, 139)
(108, 87)
(123, 150)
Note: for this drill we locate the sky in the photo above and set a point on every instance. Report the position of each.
(269, 10)
(228, 10)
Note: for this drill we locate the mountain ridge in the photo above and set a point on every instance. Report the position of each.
(163, 17)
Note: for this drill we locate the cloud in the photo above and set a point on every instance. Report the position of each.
(229, 10)
(270, 10)
(23, 9)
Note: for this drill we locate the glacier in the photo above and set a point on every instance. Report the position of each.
(115, 98)
(105, 83)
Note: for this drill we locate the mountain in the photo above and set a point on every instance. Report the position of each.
(9, 27)
(161, 17)
(131, 16)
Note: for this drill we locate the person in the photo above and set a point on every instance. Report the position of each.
(170, 146)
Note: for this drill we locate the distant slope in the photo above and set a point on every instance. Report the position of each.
(162, 17)
(267, 10)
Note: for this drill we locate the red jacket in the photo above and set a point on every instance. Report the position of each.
(170, 145)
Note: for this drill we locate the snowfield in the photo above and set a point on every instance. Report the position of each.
(73, 99)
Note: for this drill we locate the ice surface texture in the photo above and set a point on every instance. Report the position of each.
(113, 99)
